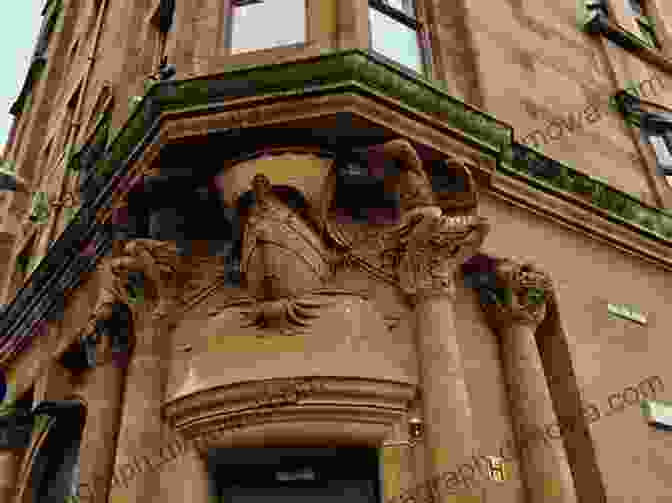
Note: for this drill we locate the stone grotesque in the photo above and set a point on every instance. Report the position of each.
(156, 260)
(432, 237)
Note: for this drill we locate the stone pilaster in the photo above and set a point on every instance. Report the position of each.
(520, 306)
(141, 428)
(437, 246)
(102, 387)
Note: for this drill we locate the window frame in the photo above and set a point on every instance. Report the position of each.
(415, 23)
(653, 121)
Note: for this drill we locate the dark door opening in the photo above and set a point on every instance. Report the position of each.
(295, 475)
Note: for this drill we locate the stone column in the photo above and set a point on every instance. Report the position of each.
(102, 387)
(141, 436)
(437, 247)
(519, 308)
(9, 471)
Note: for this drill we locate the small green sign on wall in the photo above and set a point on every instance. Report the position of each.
(626, 311)
(658, 413)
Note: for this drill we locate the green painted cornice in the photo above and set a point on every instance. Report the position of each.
(356, 68)
(554, 177)
(360, 72)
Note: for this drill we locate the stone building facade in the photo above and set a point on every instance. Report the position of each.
(339, 250)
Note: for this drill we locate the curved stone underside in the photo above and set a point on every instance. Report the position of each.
(299, 409)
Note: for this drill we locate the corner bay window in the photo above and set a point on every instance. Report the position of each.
(395, 33)
(262, 24)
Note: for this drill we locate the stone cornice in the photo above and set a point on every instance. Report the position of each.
(583, 217)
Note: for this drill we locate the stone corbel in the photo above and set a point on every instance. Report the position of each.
(436, 245)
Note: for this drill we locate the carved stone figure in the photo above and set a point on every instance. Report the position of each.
(155, 259)
(283, 258)
(281, 255)
(421, 252)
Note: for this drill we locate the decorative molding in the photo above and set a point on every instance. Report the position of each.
(551, 175)
(336, 404)
(337, 67)
(578, 215)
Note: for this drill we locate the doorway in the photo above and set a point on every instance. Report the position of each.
(295, 475)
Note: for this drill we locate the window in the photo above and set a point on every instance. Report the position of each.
(162, 20)
(262, 24)
(657, 130)
(655, 125)
(640, 22)
(394, 32)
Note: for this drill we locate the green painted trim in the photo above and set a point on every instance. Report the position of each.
(7, 166)
(33, 262)
(328, 69)
(650, 407)
(136, 295)
(619, 207)
(133, 102)
(587, 12)
(69, 213)
(361, 67)
(627, 312)
(39, 212)
(358, 71)
(536, 296)
(639, 41)
(148, 84)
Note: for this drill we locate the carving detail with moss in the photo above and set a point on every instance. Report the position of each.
(527, 289)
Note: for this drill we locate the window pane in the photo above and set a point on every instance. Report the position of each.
(662, 151)
(405, 6)
(633, 7)
(394, 40)
(268, 23)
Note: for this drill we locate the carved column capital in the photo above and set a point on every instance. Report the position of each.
(519, 296)
(159, 262)
(156, 260)
(434, 245)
